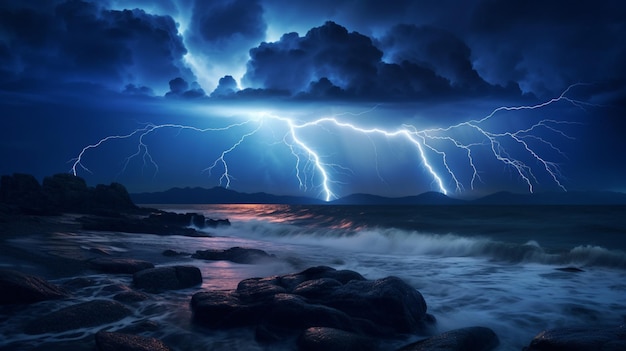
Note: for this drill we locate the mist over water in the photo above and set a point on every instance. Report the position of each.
(488, 266)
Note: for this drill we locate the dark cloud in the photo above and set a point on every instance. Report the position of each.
(346, 59)
(220, 33)
(79, 41)
(221, 22)
(179, 88)
(331, 62)
(132, 89)
(547, 45)
(435, 48)
(226, 86)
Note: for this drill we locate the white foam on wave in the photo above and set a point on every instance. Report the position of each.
(394, 241)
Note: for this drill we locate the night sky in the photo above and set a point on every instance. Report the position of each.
(233, 93)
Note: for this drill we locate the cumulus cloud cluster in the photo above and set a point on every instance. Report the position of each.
(46, 41)
(351, 50)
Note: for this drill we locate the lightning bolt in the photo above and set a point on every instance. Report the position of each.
(309, 163)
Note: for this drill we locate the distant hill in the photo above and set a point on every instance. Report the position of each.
(429, 198)
(219, 195)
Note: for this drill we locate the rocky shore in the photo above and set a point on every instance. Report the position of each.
(71, 292)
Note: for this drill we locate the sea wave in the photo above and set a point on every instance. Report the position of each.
(403, 242)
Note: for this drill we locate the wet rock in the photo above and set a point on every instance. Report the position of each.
(131, 296)
(86, 314)
(106, 341)
(63, 192)
(141, 326)
(465, 339)
(20, 288)
(387, 302)
(316, 297)
(234, 254)
(167, 278)
(330, 339)
(173, 253)
(24, 192)
(579, 339)
(119, 265)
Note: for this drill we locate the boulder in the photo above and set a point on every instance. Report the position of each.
(167, 278)
(119, 265)
(464, 339)
(579, 339)
(234, 254)
(316, 297)
(106, 341)
(20, 288)
(67, 192)
(20, 189)
(330, 339)
(86, 314)
(130, 296)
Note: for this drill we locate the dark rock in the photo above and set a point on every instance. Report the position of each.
(119, 265)
(296, 312)
(18, 288)
(106, 341)
(66, 191)
(131, 296)
(316, 288)
(223, 309)
(112, 197)
(234, 254)
(330, 339)
(172, 253)
(23, 191)
(317, 297)
(259, 289)
(579, 339)
(141, 326)
(63, 192)
(388, 302)
(465, 339)
(86, 314)
(167, 278)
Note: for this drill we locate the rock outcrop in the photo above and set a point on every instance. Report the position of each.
(119, 265)
(234, 254)
(106, 341)
(317, 297)
(330, 339)
(579, 339)
(62, 192)
(167, 278)
(86, 314)
(20, 288)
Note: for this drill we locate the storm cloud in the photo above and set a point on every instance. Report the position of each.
(77, 41)
(332, 62)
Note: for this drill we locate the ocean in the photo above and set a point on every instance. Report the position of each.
(493, 266)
